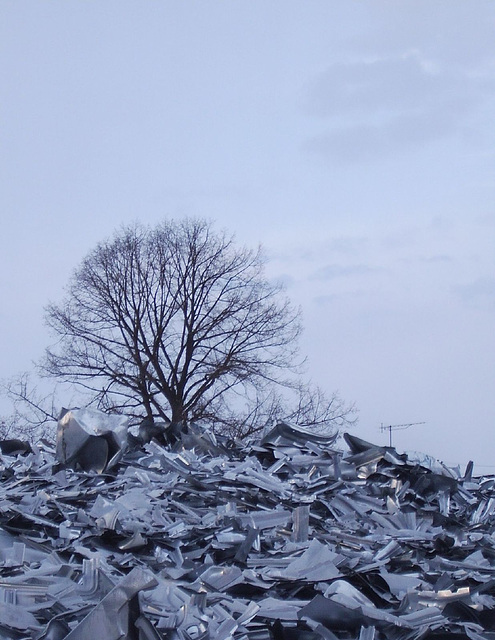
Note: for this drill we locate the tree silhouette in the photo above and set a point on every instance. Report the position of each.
(165, 322)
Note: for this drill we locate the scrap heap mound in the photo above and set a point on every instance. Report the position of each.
(286, 539)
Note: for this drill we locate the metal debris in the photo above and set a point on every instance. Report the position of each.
(90, 440)
(288, 538)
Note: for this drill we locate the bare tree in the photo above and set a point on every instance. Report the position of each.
(33, 413)
(298, 402)
(167, 321)
(312, 407)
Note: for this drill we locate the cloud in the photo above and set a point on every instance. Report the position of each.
(447, 29)
(377, 85)
(347, 244)
(317, 249)
(332, 298)
(439, 259)
(367, 142)
(402, 237)
(332, 271)
(283, 280)
(479, 293)
(376, 107)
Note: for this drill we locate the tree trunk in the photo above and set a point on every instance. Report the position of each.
(178, 417)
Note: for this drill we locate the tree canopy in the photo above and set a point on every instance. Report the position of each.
(166, 320)
(177, 322)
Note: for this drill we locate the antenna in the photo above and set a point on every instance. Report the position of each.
(397, 427)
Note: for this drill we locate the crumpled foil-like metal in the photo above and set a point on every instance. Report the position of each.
(90, 439)
(286, 538)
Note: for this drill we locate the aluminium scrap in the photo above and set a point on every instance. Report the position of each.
(286, 538)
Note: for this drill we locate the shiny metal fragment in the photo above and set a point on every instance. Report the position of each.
(111, 618)
(90, 439)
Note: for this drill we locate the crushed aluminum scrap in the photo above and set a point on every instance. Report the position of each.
(287, 539)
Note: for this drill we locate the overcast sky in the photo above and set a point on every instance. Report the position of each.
(354, 140)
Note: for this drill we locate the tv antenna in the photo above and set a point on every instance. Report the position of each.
(397, 427)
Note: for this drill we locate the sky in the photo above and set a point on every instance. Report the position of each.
(354, 140)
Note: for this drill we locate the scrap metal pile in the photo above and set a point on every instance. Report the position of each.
(286, 539)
